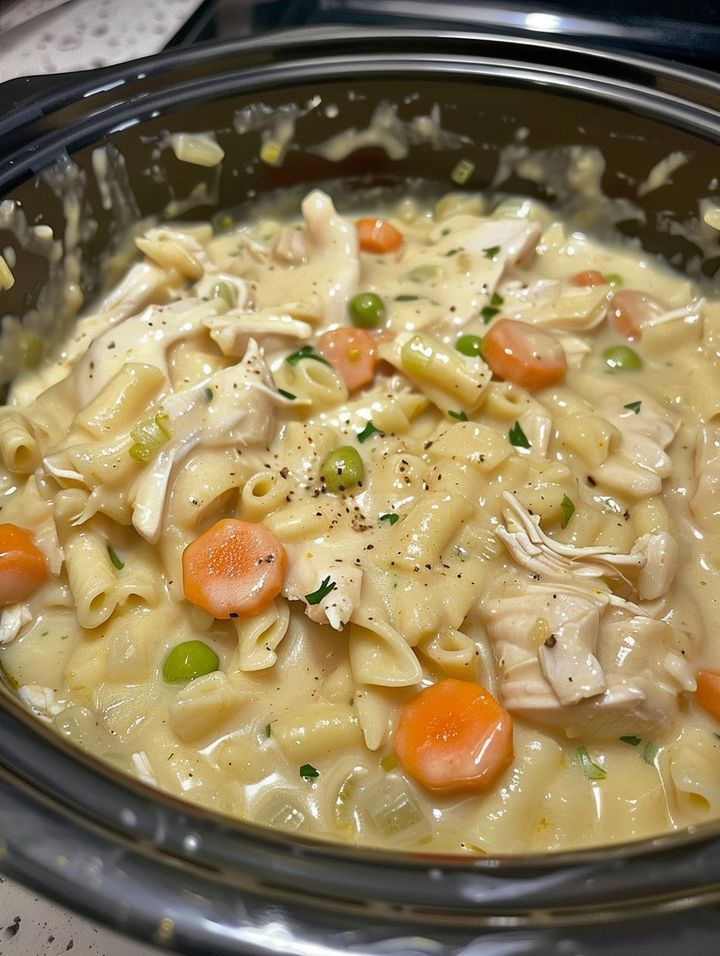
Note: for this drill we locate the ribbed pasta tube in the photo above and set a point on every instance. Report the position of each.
(122, 401)
(18, 448)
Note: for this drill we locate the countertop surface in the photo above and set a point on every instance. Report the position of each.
(32, 926)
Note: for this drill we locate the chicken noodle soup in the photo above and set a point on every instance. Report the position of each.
(394, 529)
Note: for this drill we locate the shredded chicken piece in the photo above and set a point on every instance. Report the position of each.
(12, 621)
(239, 414)
(269, 326)
(332, 250)
(568, 658)
(141, 338)
(42, 700)
(307, 575)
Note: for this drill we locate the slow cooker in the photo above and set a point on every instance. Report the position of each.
(194, 882)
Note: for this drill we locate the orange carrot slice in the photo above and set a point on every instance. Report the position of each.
(520, 353)
(234, 569)
(629, 310)
(589, 278)
(708, 691)
(378, 235)
(22, 565)
(352, 353)
(454, 736)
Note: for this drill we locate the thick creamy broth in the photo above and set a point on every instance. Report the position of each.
(506, 476)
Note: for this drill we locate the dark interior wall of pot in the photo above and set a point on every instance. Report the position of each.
(492, 111)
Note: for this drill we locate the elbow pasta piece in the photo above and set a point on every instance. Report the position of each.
(448, 379)
(590, 437)
(203, 705)
(122, 402)
(316, 730)
(93, 580)
(691, 771)
(263, 493)
(313, 381)
(259, 636)
(18, 448)
(380, 656)
(453, 652)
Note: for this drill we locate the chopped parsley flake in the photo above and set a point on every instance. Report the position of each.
(631, 739)
(306, 352)
(496, 299)
(491, 252)
(113, 555)
(368, 431)
(209, 394)
(488, 312)
(288, 395)
(315, 597)
(517, 436)
(308, 772)
(452, 252)
(633, 406)
(461, 416)
(268, 730)
(591, 770)
(567, 508)
(390, 518)
(407, 298)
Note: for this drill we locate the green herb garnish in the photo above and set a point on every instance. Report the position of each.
(591, 770)
(306, 352)
(491, 252)
(517, 436)
(407, 298)
(326, 586)
(390, 518)
(113, 555)
(209, 394)
(631, 740)
(368, 431)
(308, 772)
(488, 312)
(633, 406)
(268, 730)
(567, 508)
(461, 416)
(288, 395)
(496, 299)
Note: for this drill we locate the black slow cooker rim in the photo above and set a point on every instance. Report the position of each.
(63, 785)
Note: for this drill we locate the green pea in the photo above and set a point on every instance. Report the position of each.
(621, 358)
(367, 310)
(223, 290)
(189, 660)
(469, 345)
(342, 468)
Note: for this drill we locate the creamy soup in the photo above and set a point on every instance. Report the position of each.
(400, 530)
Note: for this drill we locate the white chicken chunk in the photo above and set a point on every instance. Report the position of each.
(568, 659)
(309, 576)
(12, 621)
(567, 646)
(230, 408)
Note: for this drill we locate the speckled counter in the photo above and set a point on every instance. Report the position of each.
(31, 926)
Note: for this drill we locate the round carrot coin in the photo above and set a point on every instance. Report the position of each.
(235, 569)
(454, 736)
(22, 565)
